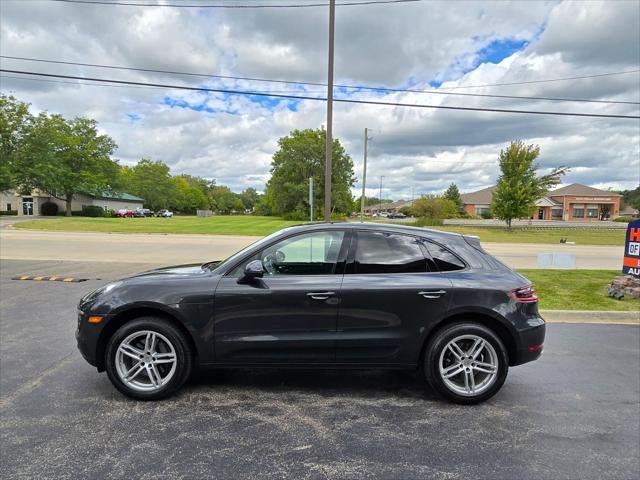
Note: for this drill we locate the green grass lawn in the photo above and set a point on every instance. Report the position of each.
(216, 225)
(581, 236)
(577, 290)
(259, 226)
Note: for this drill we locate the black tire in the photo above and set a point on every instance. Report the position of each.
(183, 357)
(434, 350)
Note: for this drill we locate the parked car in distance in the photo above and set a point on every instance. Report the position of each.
(345, 295)
(397, 215)
(124, 213)
(138, 213)
(143, 212)
(164, 213)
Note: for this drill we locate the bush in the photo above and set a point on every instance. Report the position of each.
(49, 209)
(624, 219)
(109, 213)
(487, 214)
(92, 211)
(8, 213)
(434, 207)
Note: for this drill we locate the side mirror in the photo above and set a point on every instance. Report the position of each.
(252, 270)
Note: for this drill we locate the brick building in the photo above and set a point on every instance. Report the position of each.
(573, 202)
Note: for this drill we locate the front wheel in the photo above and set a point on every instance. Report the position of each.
(466, 363)
(148, 359)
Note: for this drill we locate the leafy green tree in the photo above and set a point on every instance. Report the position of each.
(150, 179)
(631, 197)
(301, 155)
(188, 195)
(64, 158)
(249, 197)
(452, 193)
(14, 121)
(518, 186)
(432, 206)
(224, 201)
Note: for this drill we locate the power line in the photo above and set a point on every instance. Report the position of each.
(250, 6)
(352, 87)
(17, 77)
(304, 97)
(545, 80)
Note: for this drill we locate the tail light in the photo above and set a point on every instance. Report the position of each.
(524, 294)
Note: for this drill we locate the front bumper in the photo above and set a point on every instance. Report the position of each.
(88, 336)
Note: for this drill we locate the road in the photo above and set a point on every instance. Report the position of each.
(574, 413)
(176, 249)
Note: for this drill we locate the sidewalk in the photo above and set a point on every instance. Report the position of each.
(584, 316)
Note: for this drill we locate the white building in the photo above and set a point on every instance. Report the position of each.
(31, 205)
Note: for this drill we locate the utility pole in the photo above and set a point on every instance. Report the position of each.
(380, 199)
(311, 199)
(364, 175)
(329, 134)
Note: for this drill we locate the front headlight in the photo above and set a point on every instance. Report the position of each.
(92, 296)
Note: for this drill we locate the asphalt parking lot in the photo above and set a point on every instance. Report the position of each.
(575, 413)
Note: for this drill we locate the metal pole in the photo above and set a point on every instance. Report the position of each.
(380, 199)
(311, 199)
(364, 176)
(329, 144)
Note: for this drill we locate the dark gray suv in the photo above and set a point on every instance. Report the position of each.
(343, 295)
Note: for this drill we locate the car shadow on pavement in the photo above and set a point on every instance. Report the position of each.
(357, 383)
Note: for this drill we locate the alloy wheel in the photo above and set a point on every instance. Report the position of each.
(468, 365)
(146, 361)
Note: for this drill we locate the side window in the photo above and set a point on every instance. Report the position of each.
(379, 252)
(444, 260)
(308, 254)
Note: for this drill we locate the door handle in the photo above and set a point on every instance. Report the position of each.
(320, 295)
(432, 293)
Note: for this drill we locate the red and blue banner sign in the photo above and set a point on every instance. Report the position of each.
(631, 264)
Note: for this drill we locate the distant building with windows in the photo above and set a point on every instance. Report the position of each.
(573, 202)
(31, 204)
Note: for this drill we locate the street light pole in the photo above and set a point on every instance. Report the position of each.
(364, 175)
(380, 199)
(329, 133)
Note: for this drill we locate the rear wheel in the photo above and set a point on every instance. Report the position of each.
(148, 359)
(466, 363)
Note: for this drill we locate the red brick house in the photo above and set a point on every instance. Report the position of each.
(573, 202)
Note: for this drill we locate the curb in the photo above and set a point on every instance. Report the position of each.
(587, 316)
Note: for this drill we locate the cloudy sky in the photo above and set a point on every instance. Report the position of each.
(427, 45)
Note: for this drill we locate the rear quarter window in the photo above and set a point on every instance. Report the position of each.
(444, 259)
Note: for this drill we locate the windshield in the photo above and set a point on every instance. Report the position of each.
(215, 265)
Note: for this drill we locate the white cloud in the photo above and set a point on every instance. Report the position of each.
(419, 150)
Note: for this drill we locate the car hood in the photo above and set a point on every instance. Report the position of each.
(188, 270)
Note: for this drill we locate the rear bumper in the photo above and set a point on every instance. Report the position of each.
(531, 340)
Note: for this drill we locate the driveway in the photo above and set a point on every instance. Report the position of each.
(575, 413)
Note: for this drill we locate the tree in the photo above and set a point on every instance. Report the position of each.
(518, 186)
(300, 156)
(188, 195)
(14, 121)
(452, 193)
(631, 197)
(64, 158)
(224, 201)
(249, 197)
(150, 179)
(432, 206)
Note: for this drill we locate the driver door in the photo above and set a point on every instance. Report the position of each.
(289, 315)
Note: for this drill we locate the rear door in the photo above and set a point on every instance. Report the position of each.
(390, 293)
